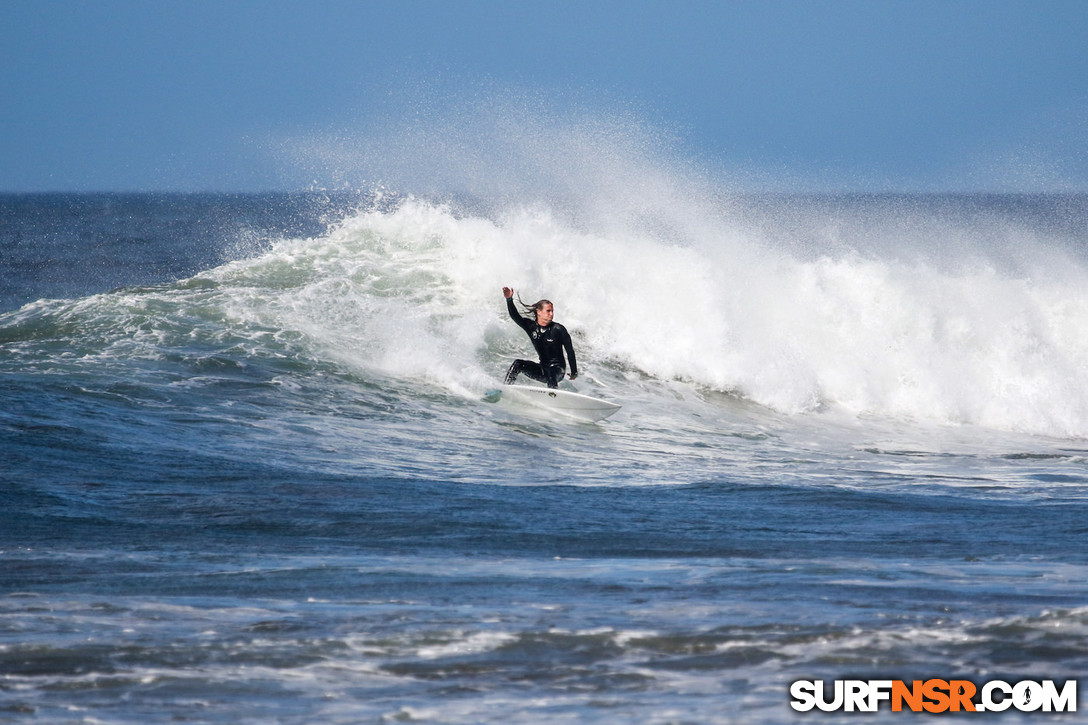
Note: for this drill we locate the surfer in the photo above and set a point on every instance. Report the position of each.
(550, 340)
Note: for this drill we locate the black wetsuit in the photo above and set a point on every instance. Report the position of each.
(550, 342)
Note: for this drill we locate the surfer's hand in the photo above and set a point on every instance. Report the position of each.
(573, 376)
(507, 292)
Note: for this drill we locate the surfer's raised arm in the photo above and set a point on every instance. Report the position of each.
(512, 309)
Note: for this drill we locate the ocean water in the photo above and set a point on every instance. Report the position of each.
(248, 472)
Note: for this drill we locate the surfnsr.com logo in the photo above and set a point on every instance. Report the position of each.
(934, 696)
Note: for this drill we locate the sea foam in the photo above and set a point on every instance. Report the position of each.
(956, 309)
(415, 291)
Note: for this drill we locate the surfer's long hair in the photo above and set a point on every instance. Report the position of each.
(531, 309)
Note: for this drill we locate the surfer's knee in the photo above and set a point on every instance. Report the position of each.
(512, 373)
(517, 368)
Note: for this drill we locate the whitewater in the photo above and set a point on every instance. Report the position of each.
(251, 472)
(921, 336)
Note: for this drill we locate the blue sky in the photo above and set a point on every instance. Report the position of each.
(837, 95)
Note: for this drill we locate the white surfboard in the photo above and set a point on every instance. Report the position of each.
(564, 402)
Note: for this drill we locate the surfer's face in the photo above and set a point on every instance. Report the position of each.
(544, 315)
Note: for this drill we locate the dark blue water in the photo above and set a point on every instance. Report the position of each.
(248, 473)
